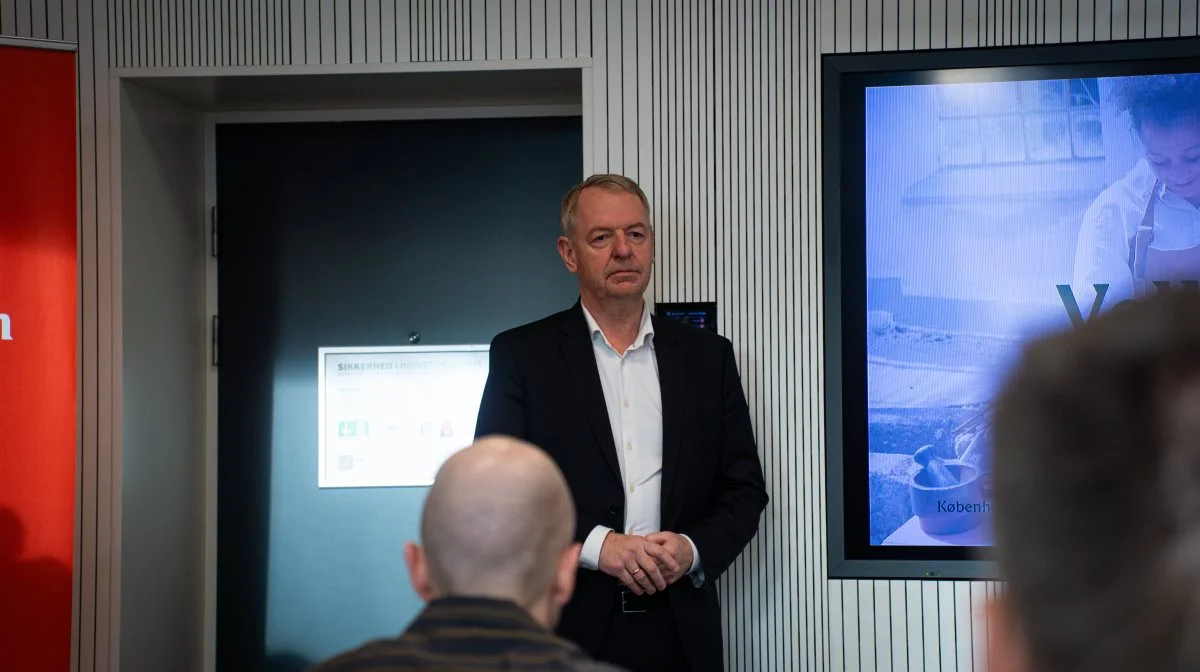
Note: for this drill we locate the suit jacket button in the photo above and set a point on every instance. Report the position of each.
(612, 511)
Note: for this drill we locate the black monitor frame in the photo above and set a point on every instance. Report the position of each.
(845, 78)
(669, 310)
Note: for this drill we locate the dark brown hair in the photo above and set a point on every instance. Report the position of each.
(1162, 99)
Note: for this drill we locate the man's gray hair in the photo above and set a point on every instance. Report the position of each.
(610, 181)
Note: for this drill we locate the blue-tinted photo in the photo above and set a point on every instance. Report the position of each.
(996, 212)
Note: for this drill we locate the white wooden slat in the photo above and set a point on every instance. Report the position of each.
(836, 632)
(584, 30)
(539, 27)
(890, 32)
(857, 16)
(403, 32)
(263, 32)
(507, 25)
(184, 29)
(938, 28)
(964, 620)
(624, 27)
(8, 18)
(948, 620)
(312, 31)
(37, 19)
(523, 24)
(931, 624)
(492, 22)
(1189, 18)
(898, 603)
(1137, 19)
(568, 35)
(643, 112)
(851, 634)
(954, 25)
(602, 99)
(906, 26)
(1119, 15)
(554, 31)
(70, 14)
(284, 23)
(477, 29)
(1169, 10)
(873, 20)
(881, 627)
(979, 631)
(24, 19)
(387, 31)
(868, 654)
(922, 13)
(418, 30)
(326, 31)
(373, 36)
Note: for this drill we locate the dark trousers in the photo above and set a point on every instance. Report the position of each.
(644, 641)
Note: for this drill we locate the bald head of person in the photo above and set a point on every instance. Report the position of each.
(498, 523)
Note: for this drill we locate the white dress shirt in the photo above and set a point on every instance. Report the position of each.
(1109, 226)
(634, 400)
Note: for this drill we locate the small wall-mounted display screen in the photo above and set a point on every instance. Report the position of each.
(700, 314)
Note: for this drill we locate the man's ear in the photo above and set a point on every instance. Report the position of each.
(418, 571)
(564, 575)
(567, 252)
(1007, 651)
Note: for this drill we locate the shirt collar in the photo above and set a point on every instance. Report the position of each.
(645, 331)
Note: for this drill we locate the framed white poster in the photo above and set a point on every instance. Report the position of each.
(390, 416)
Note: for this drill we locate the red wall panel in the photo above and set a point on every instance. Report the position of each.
(38, 326)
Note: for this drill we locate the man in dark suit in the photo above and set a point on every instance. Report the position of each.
(497, 563)
(648, 422)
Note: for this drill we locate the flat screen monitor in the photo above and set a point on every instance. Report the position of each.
(974, 200)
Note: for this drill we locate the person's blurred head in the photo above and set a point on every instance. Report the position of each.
(1164, 111)
(498, 523)
(607, 238)
(1096, 479)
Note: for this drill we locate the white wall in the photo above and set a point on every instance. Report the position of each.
(162, 381)
(713, 105)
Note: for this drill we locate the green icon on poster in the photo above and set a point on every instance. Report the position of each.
(352, 428)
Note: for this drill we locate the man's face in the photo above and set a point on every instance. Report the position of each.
(611, 248)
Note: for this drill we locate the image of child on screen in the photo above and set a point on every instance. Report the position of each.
(1145, 227)
(996, 212)
(974, 195)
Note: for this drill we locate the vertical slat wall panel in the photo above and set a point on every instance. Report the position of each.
(762, 236)
(43, 19)
(724, 132)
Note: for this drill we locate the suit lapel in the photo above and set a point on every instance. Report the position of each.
(672, 383)
(581, 362)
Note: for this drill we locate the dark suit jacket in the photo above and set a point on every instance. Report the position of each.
(468, 633)
(544, 387)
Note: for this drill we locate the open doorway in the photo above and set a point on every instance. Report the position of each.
(521, 129)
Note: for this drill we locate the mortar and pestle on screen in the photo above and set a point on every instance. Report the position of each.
(947, 495)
